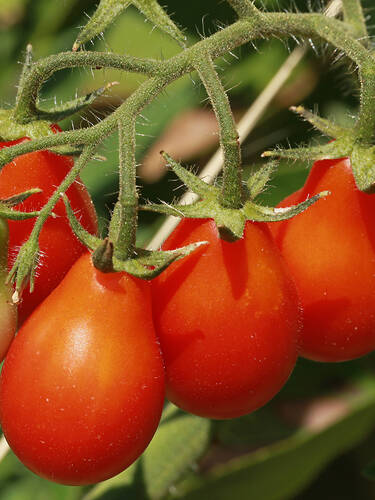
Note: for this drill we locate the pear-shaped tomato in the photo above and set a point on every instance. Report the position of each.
(8, 311)
(227, 318)
(82, 387)
(330, 251)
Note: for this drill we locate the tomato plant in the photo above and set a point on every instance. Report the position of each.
(83, 382)
(59, 248)
(228, 319)
(8, 312)
(331, 255)
(82, 388)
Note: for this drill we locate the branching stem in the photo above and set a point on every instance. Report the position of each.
(65, 184)
(329, 30)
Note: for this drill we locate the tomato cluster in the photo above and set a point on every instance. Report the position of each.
(83, 383)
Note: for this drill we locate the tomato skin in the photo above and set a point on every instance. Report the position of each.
(330, 251)
(227, 318)
(82, 387)
(59, 248)
(8, 311)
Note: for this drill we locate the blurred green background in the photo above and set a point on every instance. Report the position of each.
(316, 437)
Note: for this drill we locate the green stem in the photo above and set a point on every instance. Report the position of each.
(334, 32)
(26, 110)
(25, 70)
(4, 235)
(45, 212)
(232, 192)
(243, 8)
(123, 225)
(365, 126)
(353, 15)
(95, 134)
(263, 25)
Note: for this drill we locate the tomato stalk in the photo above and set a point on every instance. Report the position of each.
(243, 8)
(123, 225)
(117, 252)
(353, 15)
(252, 25)
(232, 190)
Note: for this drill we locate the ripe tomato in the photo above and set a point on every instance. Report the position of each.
(59, 248)
(8, 311)
(82, 387)
(227, 318)
(331, 254)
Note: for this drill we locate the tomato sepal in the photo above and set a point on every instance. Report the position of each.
(230, 221)
(144, 264)
(24, 267)
(6, 204)
(346, 144)
(11, 130)
(149, 264)
(70, 108)
(323, 125)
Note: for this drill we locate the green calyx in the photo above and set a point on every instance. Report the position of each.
(24, 267)
(230, 221)
(346, 144)
(143, 264)
(8, 212)
(10, 130)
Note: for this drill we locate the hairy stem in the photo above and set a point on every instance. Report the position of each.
(231, 196)
(262, 24)
(243, 8)
(65, 184)
(353, 15)
(123, 225)
(40, 71)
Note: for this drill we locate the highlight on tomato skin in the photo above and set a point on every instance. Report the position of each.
(82, 387)
(228, 320)
(59, 247)
(330, 251)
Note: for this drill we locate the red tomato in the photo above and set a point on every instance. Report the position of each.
(331, 254)
(228, 318)
(82, 387)
(59, 248)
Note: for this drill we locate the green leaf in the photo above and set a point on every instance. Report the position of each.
(258, 180)
(108, 10)
(180, 440)
(282, 470)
